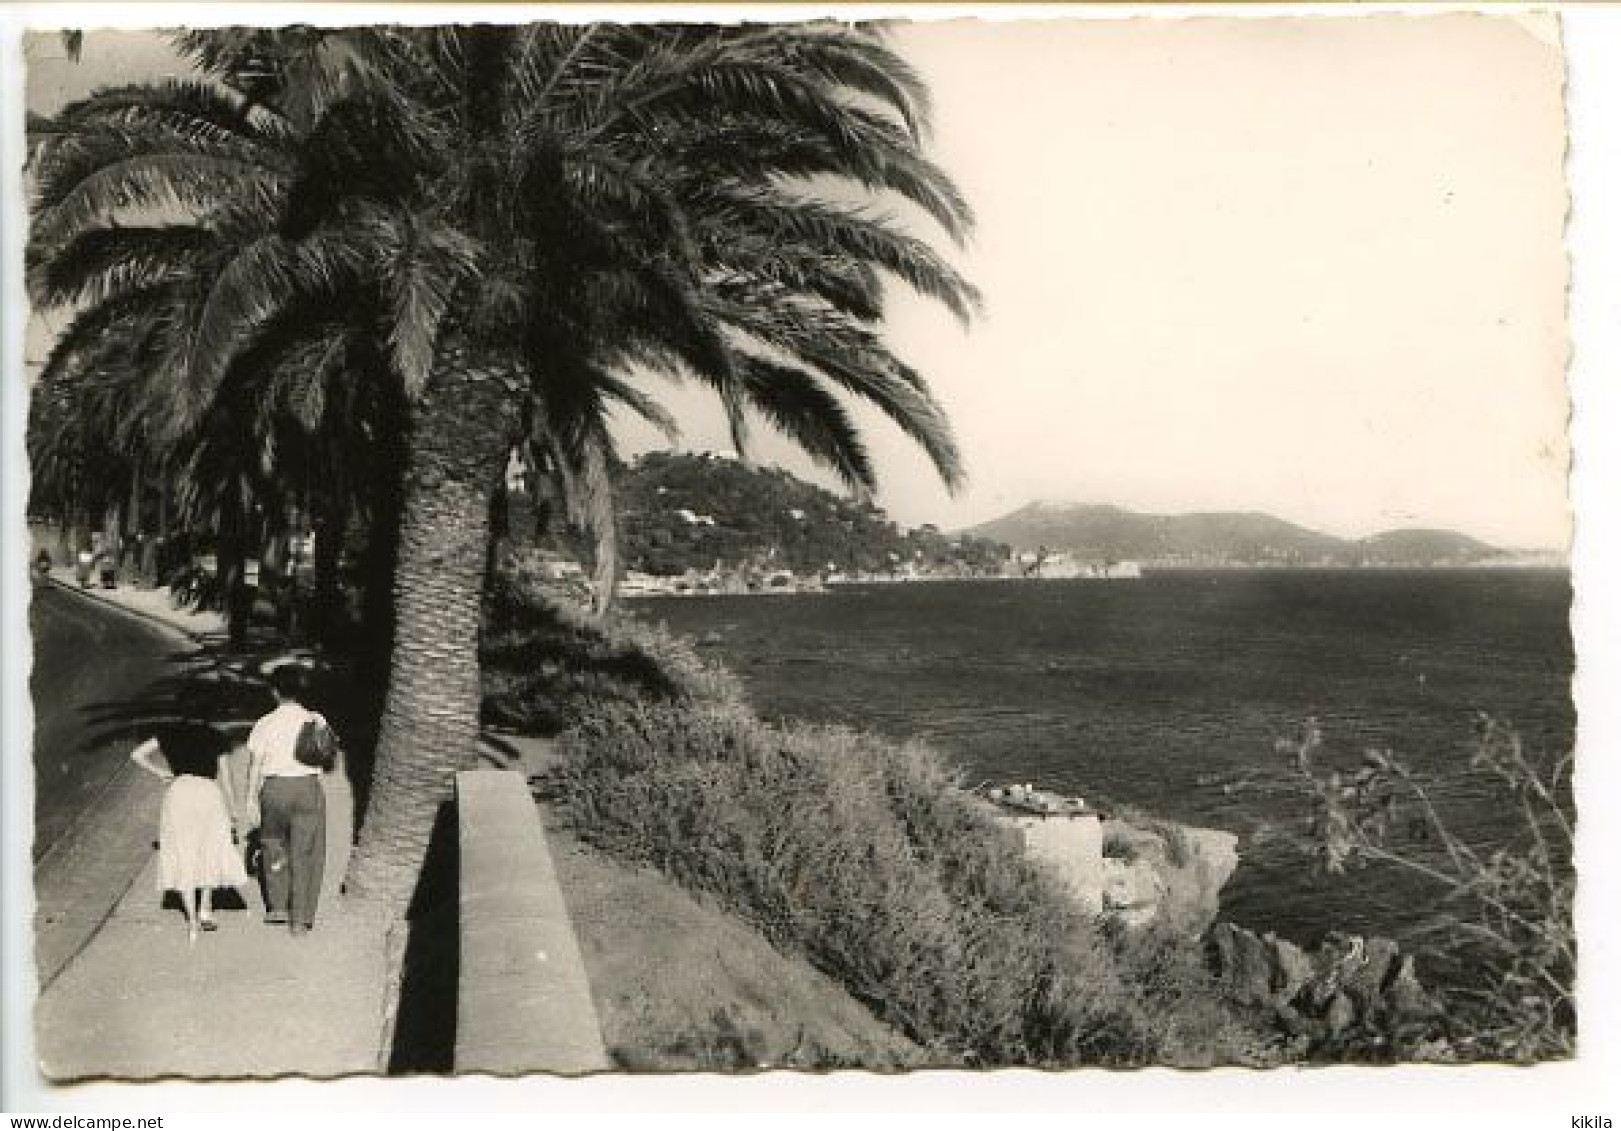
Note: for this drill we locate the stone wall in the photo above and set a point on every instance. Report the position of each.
(523, 1000)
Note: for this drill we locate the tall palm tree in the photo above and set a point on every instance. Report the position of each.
(530, 218)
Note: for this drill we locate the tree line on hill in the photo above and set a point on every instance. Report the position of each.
(684, 513)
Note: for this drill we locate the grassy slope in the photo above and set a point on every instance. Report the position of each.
(681, 985)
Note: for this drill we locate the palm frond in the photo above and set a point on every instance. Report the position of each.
(845, 284)
(852, 357)
(300, 70)
(604, 183)
(144, 184)
(851, 57)
(98, 327)
(759, 151)
(803, 410)
(714, 82)
(432, 267)
(548, 58)
(201, 111)
(573, 440)
(618, 390)
(837, 230)
(257, 286)
(102, 263)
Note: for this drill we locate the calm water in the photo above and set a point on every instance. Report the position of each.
(1167, 692)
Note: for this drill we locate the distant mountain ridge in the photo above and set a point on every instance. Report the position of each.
(1110, 533)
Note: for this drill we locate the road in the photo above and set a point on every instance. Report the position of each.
(94, 669)
(100, 676)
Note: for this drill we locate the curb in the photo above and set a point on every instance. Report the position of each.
(44, 983)
(149, 618)
(182, 636)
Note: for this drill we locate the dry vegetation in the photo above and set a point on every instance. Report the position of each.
(855, 854)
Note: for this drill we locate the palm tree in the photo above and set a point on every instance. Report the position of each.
(530, 218)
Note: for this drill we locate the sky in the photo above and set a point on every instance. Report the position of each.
(1313, 267)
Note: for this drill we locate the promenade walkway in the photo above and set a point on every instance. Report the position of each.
(129, 998)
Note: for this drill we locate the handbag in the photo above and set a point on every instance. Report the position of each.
(252, 853)
(316, 745)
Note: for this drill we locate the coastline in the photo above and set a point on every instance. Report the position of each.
(1171, 695)
(1149, 569)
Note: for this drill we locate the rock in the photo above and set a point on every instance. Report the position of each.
(1136, 874)
(1406, 996)
(1346, 982)
(1293, 969)
(1133, 893)
(1244, 964)
(1365, 982)
(1339, 1015)
(1131, 843)
(1193, 886)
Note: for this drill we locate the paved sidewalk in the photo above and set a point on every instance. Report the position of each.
(139, 1002)
(154, 604)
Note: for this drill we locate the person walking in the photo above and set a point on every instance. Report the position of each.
(197, 823)
(285, 782)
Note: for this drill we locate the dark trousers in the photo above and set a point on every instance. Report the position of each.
(293, 832)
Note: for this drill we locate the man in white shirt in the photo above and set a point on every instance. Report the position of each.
(292, 805)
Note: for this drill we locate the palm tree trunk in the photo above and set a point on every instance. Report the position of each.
(460, 434)
(327, 524)
(112, 541)
(141, 561)
(163, 560)
(149, 561)
(66, 543)
(163, 503)
(272, 575)
(231, 572)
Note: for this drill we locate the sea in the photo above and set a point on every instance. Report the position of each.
(1178, 694)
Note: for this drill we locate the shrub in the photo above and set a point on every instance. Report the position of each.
(1122, 838)
(543, 657)
(864, 857)
(1505, 912)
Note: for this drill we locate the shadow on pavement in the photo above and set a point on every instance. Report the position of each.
(226, 688)
(424, 1038)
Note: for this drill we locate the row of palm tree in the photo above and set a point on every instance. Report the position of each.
(362, 266)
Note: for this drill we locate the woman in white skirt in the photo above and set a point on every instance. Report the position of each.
(197, 827)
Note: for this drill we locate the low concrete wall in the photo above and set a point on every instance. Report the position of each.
(1072, 845)
(1152, 883)
(523, 1001)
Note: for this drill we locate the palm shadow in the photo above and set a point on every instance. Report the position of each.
(225, 687)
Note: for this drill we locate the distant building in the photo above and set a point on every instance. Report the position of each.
(1062, 565)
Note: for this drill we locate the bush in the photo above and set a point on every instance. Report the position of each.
(1122, 837)
(865, 858)
(543, 657)
(1505, 912)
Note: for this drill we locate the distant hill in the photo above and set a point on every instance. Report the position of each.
(684, 512)
(1108, 533)
(1421, 546)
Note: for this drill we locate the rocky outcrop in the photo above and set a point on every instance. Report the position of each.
(1165, 874)
(1348, 983)
(1139, 872)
